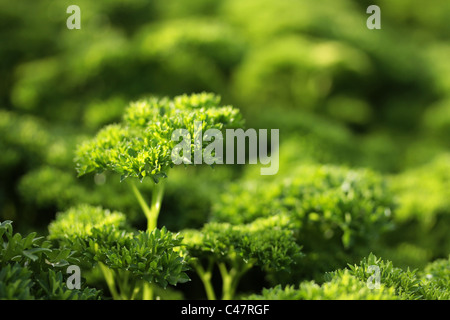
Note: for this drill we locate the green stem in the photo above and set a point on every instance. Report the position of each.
(109, 278)
(135, 292)
(157, 196)
(147, 291)
(140, 199)
(205, 277)
(231, 278)
(227, 281)
(125, 284)
(152, 212)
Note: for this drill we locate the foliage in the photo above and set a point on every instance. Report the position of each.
(266, 243)
(436, 280)
(351, 113)
(32, 269)
(351, 284)
(78, 222)
(431, 181)
(125, 258)
(423, 211)
(15, 283)
(142, 146)
(150, 256)
(335, 212)
(63, 190)
(405, 283)
(346, 287)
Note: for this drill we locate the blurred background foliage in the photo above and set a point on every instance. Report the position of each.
(342, 96)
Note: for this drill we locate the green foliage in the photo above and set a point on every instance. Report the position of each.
(424, 192)
(436, 280)
(78, 222)
(287, 62)
(335, 212)
(100, 113)
(30, 249)
(437, 119)
(196, 207)
(306, 137)
(29, 140)
(267, 243)
(142, 145)
(149, 256)
(127, 260)
(423, 212)
(406, 283)
(432, 283)
(340, 61)
(31, 268)
(15, 248)
(61, 188)
(52, 287)
(23, 137)
(192, 53)
(345, 287)
(328, 83)
(15, 283)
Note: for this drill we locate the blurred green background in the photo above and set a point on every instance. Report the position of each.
(341, 95)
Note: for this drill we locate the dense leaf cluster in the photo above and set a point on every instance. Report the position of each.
(436, 280)
(334, 211)
(351, 284)
(337, 96)
(422, 216)
(142, 145)
(101, 236)
(32, 269)
(150, 256)
(266, 243)
(406, 283)
(78, 222)
(346, 287)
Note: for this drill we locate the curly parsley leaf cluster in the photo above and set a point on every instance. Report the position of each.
(141, 145)
(103, 238)
(32, 269)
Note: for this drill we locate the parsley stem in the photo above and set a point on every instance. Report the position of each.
(205, 277)
(152, 212)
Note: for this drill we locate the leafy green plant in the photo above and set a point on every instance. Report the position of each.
(345, 287)
(141, 146)
(15, 283)
(431, 180)
(351, 284)
(24, 138)
(423, 212)
(429, 284)
(266, 243)
(336, 213)
(436, 280)
(130, 262)
(32, 269)
(406, 283)
(337, 95)
(64, 190)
